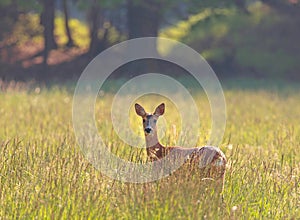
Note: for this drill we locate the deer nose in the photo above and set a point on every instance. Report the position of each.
(148, 130)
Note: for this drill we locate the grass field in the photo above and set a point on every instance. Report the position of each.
(43, 174)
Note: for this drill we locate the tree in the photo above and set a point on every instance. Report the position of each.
(144, 18)
(9, 16)
(47, 20)
(95, 21)
(70, 42)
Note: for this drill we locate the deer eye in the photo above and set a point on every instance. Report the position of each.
(144, 120)
(154, 121)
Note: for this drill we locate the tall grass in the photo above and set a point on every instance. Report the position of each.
(43, 173)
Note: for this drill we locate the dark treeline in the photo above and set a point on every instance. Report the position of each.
(130, 18)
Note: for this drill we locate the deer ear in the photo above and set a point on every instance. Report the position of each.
(139, 110)
(160, 110)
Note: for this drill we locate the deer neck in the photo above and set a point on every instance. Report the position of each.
(154, 149)
(152, 140)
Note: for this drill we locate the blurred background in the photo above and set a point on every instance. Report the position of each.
(47, 40)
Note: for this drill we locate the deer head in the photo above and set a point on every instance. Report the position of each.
(149, 120)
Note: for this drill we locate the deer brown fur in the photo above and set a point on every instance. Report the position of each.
(210, 160)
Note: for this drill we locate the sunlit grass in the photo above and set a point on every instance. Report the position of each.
(43, 173)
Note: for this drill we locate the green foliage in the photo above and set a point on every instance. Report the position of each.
(43, 174)
(182, 28)
(79, 30)
(13, 23)
(196, 6)
(110, 4)
(263, 41)
(276, 63)
(103, 4)
(30, 5)
(27, 28)
(5, 3)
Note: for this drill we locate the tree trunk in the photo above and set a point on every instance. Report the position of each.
(241, 4)
(47, 20)
(70, 42)
(144, 18)
(96, 21)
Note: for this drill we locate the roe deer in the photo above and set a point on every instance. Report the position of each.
(210, 160)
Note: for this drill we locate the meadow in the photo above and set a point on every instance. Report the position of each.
(44, 175)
